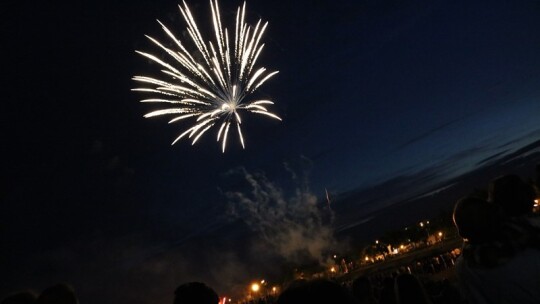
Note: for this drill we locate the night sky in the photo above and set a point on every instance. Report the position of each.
(370, 92)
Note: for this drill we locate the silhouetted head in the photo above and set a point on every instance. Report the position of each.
(316, 292)
(23, 297)
(58, 294)
(515, 196)
(409, 290)
(362, 290)
(388, 295)
(475, 219)
(195, 293)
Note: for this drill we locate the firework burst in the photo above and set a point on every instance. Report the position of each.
(210, 88)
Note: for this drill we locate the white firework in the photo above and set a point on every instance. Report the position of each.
(213, 89)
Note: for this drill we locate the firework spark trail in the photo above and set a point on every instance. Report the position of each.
(214, 89)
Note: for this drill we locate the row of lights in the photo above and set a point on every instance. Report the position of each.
(440, 234)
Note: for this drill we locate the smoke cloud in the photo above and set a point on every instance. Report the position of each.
(293, 225)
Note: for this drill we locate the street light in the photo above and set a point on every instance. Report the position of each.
(427, 228)
(255, 287)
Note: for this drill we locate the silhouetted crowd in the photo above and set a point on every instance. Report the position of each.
(499, 263)
(57, 294)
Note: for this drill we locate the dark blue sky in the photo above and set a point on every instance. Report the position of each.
(368, 91)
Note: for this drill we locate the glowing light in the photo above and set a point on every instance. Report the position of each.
(335, 256)
(367, 258)
(376, 241)
(421, 224)
(440, 234)
(536, 201)
(333, 269)
(263, 281)
(401, 246)
(274, 289)
(210, 85)
(255, 287)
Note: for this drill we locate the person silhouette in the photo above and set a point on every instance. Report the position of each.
(58, 294)
(316, 292)
(23, 297)
(512, 194)
(363, 290)
(409, 290)
(490, 270)
(195, 293)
